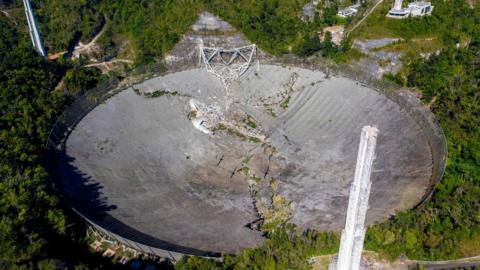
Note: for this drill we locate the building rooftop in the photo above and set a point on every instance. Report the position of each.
(420, 4)
(348, 11)
(414, 9)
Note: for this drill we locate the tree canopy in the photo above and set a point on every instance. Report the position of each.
(448, 225)
(35, 229)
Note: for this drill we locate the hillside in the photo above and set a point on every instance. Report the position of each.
(440, 61)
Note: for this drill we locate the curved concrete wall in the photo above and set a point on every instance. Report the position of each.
(432, 130)
(408, 101)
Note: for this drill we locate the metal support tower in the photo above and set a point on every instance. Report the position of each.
(237, 61)
(32, 29)
(351, 244)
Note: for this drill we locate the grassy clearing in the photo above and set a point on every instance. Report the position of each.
(414, 48)
(350, 55)
(377, 25)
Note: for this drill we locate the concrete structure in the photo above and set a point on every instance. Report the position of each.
(414, 9)
(351, 244)
(420, 8)
(308, 10)
(337, 32)
(209, 22)
(397, 5)
(138, 166)
(397, 11)
(138, 170)
(349, 11)
(213, 32)
(32, 28)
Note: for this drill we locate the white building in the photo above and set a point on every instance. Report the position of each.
(420, 8)
(414, 9)
(349, 11)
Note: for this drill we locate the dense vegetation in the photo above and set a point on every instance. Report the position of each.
(286, 248)
(275, 25)
(35, 232)
(29, 212)
(447, 226)
(151, 27)
(146, 30)
(72, 21)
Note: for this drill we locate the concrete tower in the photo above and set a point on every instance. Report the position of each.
(32, 28)
(351, 244)
(397, 5)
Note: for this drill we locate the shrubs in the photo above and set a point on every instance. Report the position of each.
(446, 226)
(276, 212)
(286, 248)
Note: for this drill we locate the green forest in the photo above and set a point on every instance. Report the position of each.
(146, 30)
(37, 231)
(448, 225)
